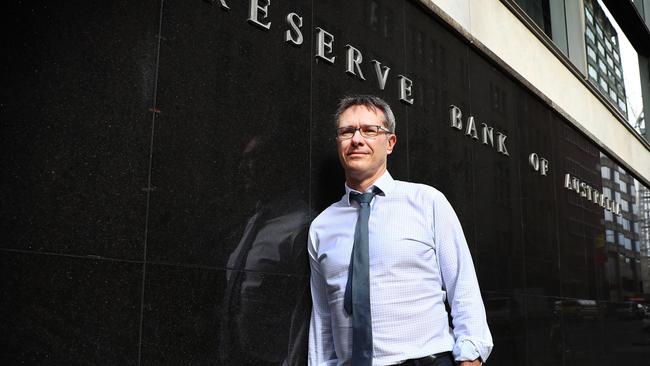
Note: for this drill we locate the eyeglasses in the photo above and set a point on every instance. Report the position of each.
(369, 131)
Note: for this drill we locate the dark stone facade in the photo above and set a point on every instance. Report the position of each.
(163, 159)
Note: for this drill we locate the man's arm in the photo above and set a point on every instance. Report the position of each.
(321, 341)
(471, 332)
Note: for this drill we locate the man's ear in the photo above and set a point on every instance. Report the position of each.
(390, 143)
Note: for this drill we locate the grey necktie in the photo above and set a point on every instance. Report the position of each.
(356, 300)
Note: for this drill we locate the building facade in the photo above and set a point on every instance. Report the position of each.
(163, 160)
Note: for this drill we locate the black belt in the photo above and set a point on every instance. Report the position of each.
(426, 360)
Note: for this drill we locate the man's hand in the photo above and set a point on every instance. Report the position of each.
(476, 362)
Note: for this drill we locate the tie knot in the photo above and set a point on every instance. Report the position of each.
(362, 198)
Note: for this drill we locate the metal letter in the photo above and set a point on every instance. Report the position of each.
(405, 85)
(583, 189)
(589, 190)
(575, 184)
(470, 130)
(567, 181)
(617, 208)
(596, 197)
(488, 135)
(533, 160)
(455, 116)
(501, 143)
(608, 204)
(254, 10)
(382, 74)
(543, 166)
(324, 44)
(602, 201)
(353, 60)
(295, 21)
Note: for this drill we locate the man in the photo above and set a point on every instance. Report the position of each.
(385, 258)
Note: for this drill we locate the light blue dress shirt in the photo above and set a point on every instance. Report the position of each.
(418, 257)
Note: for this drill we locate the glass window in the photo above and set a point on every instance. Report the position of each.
(599, 30)
(609, 217)
(609, 235)
(591, 53)
(625, 223)
(592, 72)
(605, 172)
(621, 239)
(608, 45)
(600, 48)
(623, 186)
(612, 94)
(617, 71)
(616, 56)
(603, 83)
(590, 18)
(617, 176)
(590, 34)
(610, 61)
(625, 206)
(621, 104)
(607, 192)
(602, 65)
(617, 196)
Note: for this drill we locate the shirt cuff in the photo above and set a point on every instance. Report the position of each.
(468, 349)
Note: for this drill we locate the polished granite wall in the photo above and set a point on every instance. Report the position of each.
(162, 161)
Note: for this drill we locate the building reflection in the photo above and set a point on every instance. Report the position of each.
(265, 312)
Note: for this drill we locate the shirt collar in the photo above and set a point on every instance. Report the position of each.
(384, 184)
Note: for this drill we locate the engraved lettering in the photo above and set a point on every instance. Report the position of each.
(382, 74)
(324, 43)
(255, 10)
(470, 130)
(488, 134)
(295, 22)
(405, 85)
(353, 60)
(501, 143)
(455, 116)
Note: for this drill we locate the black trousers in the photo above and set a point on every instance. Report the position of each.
(445, 359)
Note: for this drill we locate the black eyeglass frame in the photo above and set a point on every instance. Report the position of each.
(354, 130)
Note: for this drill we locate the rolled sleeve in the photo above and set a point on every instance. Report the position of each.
(472, 336)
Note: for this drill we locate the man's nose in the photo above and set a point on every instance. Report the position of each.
(357, 138)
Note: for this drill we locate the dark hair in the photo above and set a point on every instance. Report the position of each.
(369, 101)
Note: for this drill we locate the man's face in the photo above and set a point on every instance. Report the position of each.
(364, 158)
